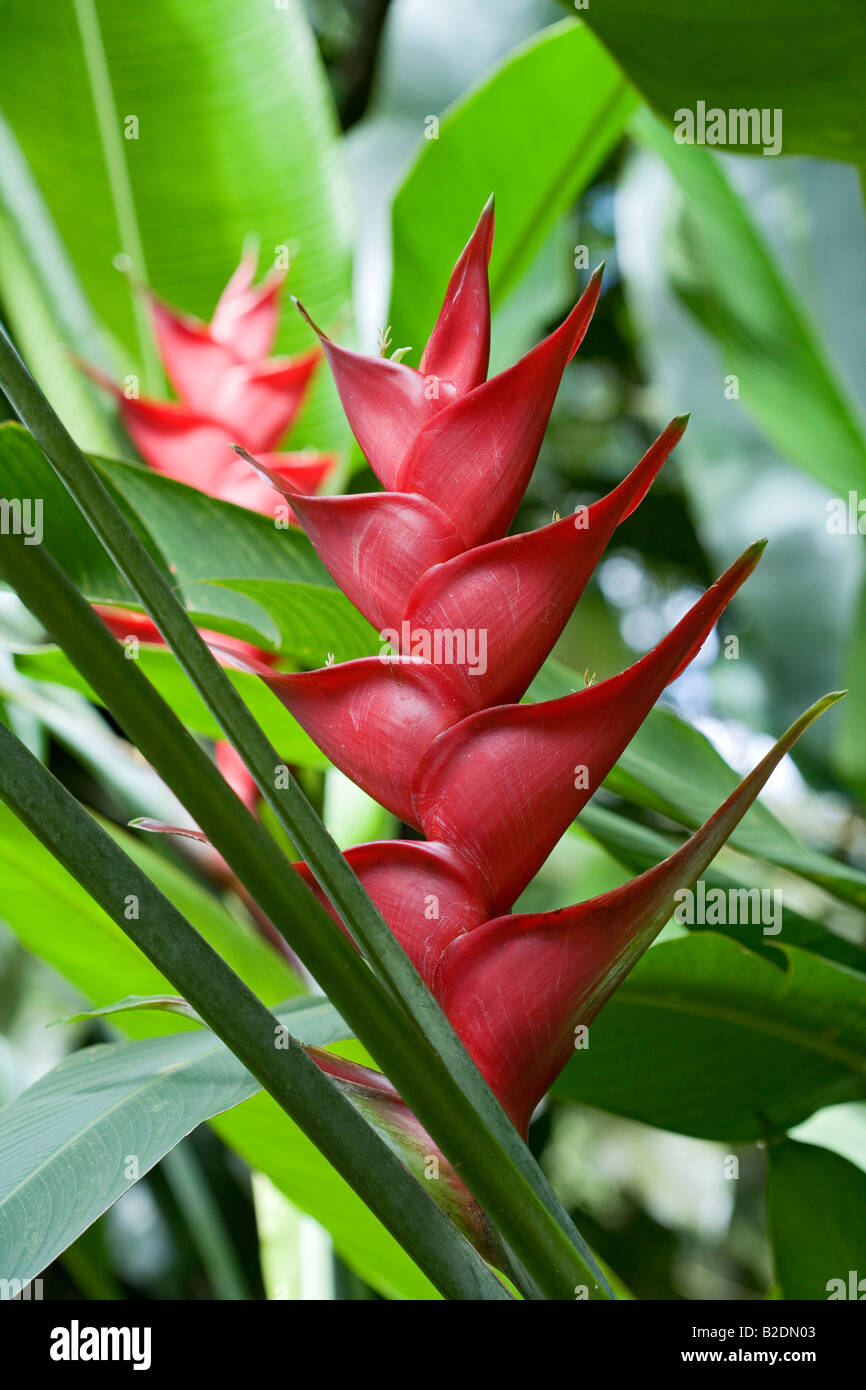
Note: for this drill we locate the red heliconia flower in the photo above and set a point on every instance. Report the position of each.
(229, 392)
(433, 727)
(387, 403)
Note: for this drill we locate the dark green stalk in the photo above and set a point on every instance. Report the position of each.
(243, 1023)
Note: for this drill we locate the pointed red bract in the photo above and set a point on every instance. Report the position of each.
(376, 546)
(193, 360)
(258, 401)
(475, 457)
(386, 403)
(427, 894)
(246, 315)
(504, 784)
(509, 601)
(374, 719)
(518, 987)
(458, 349)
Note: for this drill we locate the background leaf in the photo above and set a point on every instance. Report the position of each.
(816, 1211)
(113, 1111)
(765, 334)
(535, 171)
(204, 546)
(236, 134)
(753, 1048)
(56, 920)
(751, 53)
(166, 675)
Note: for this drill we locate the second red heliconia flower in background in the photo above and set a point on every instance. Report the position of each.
(229, 392)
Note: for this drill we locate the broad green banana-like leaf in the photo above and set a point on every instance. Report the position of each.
(754, 1049)
(805, 59)
(44, 304)
(111, 1112)
(171, 131)
(167, 676)
(533, 133)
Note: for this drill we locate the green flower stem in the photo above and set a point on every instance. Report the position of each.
(243, 1023)
(427, 1064)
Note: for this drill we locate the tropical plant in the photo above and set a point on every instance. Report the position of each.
(304, 616)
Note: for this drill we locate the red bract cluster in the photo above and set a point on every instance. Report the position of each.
(433, 728)
(230, 392)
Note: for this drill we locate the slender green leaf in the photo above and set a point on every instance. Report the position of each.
(170, 1003)
(768, 340)
(268, 1140)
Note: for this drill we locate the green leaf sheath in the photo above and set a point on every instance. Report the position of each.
(242, 1021)
(428, 1065)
